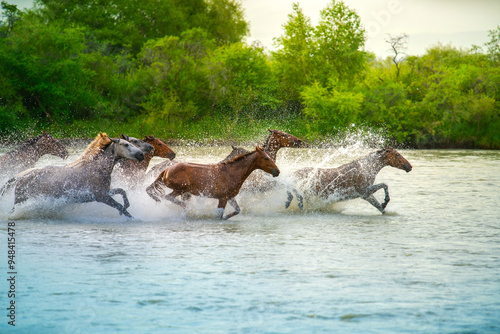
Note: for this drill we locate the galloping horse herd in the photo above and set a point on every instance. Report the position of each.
(88, 178)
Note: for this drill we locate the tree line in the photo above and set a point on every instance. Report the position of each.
(180, 69)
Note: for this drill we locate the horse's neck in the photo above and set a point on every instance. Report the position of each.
(131, 167)
(271, 147)
(244, 167)
(371, 164)
(103, 162)
(30, 155)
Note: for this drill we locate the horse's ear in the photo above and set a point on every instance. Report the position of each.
(115, 140)
(257, 148)
(123, 136)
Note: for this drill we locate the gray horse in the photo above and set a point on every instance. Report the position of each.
(27, 154)
(87, 179)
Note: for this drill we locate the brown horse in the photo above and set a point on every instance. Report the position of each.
(221, 181)
(258, 182)
(28, 153)
(86, 180)
(274, 141)
(134, 171)
(351, 180)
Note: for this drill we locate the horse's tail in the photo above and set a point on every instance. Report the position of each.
(157, 188)
(7, 186)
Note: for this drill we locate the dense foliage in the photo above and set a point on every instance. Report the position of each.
(180, 69)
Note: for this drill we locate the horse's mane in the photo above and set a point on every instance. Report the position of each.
(266, 141)
(238, 158)
(100, 143)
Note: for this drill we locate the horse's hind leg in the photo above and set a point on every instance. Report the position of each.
(290, 198)
(172, 198)
(236, 207)
(120, 191)
(299, 198)
(114, 204)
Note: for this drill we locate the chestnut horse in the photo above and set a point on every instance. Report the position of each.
(274, 141)
(351, 180)
(88, 179)
(221, 181)
(28, 153)
(258, 182)
(134, 171)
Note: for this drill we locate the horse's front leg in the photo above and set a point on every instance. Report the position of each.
(107, 199)
(172, 198)
(120, 191)
(373, 201)
(236, 207)
(220, 208)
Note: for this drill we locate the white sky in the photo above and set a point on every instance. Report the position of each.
(427, 22)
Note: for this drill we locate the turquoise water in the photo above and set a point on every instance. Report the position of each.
(430, 265)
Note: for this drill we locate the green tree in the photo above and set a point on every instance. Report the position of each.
(175, 77)
(338, 42)
(240, 79)
(11, 13)
(293, 60)
(45, 66)
(331, 109)
(493, 45)
(129, 24)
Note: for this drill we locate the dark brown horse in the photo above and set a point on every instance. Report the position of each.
(274, 141)
(134, 172)
(28, 153)
(351, 180)
(88, 179)
(221, 181)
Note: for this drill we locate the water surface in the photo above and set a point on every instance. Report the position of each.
(429, 265)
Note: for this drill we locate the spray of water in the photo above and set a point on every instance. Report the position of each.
(333, 152)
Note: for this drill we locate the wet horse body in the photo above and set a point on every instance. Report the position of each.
(29, 152)
(88, 179)
(133, 171)
(258, 182)
(221, 181)
(352, 180)
(274, 141)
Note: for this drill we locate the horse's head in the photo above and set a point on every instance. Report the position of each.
(143, 146)
(124, 149)
(393, 158)
(161, 149)
(284, 139)
(265, 163)
(50, 145)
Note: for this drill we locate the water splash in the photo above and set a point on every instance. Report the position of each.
(331, 152)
